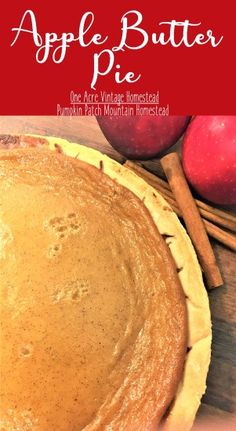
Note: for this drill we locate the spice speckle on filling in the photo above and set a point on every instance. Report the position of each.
(92, 314)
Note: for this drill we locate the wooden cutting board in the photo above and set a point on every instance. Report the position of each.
(220, 398)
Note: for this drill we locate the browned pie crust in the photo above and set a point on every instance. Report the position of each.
(131, 398)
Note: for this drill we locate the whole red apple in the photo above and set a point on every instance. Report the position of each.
(142, 137)
(209, 157)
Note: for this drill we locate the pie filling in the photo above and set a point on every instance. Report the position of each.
(93, 317)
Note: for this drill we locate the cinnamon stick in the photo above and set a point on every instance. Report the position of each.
(217, 216)
(212, 230)
(163, 188)
(194, 224)
(220, 235)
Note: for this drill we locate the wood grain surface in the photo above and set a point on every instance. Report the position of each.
(220, 398)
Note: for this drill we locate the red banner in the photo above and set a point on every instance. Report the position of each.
(127, 58)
